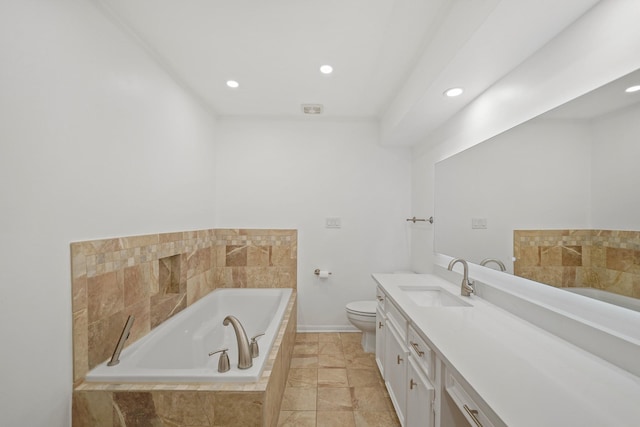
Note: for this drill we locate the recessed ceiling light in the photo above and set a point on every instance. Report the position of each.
(326, 69)
(232, 84)
(454, 91)
(633, 89)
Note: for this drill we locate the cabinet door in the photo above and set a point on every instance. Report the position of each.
(395, 370)
(381, 333)
(420, 397)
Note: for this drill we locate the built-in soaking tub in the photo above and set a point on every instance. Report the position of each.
(167, 379)
(177, 351)
(610, 297)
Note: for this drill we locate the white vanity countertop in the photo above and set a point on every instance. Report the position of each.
(528, 376)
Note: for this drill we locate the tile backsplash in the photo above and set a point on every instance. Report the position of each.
(603, 259)
(155, 276)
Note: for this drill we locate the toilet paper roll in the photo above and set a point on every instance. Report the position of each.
(323, 274)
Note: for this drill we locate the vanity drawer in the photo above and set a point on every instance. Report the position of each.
(422, 353)
(381, 297)
(471, 407)
(395, 316)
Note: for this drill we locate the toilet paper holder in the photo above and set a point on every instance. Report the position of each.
(317, 272)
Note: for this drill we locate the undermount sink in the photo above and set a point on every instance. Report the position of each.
(433, 296)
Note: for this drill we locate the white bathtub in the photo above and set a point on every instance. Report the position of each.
(177, 350)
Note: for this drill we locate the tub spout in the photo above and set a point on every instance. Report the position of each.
(244, 354)
(115, 357)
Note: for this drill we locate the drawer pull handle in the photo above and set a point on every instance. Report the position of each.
(400, 359)
(472, 413)
(380, 298)
(412, 384)
(380, 325)
(417, 348)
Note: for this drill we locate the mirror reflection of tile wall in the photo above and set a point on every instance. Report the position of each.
(601, 259)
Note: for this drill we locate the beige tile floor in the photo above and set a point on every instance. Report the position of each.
(333, 382)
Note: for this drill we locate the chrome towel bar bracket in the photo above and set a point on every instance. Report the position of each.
(414, 220)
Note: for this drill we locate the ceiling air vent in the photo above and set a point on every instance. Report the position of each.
(312, 109)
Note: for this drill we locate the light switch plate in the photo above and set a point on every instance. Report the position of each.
(478, 223)
(333, 222)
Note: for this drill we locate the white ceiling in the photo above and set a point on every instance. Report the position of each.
(392, 59)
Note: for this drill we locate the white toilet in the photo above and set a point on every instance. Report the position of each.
(362, 315)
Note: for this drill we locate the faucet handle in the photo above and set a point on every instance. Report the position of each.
(223, 361)
(257, 336)
(253, 346)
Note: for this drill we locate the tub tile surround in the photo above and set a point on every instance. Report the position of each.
(602, 259)
(154, 277)
(194, 404)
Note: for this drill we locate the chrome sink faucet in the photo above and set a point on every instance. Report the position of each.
(466, 288)
(244, 353)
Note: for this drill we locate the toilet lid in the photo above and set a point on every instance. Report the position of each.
(363, 307)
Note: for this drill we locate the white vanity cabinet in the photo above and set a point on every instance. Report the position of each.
(381, 330)
(396, 359)
(406, 364)
(420, 397)
(416, 379)
(454, 361)
(381, 339)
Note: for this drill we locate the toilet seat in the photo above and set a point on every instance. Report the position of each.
(363, 308)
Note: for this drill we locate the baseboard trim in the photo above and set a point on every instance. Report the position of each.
(327, 328)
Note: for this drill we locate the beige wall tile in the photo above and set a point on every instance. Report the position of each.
(142, 323)
(116, 277)
(197, 287)
(103, 336)
(80, 345)
(79, 293)
(591, 258)
(104, 296)
(238, 409)
(136, 283)
(236, 256)
(93, 409)
(259, 256)
(184, 408)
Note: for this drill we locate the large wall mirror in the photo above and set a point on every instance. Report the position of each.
(556, 199)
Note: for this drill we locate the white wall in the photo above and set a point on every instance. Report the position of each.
(294, 174)
(616, 173)
(95, 141)
(593, 51)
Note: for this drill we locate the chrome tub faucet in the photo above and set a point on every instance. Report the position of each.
(244, 353)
